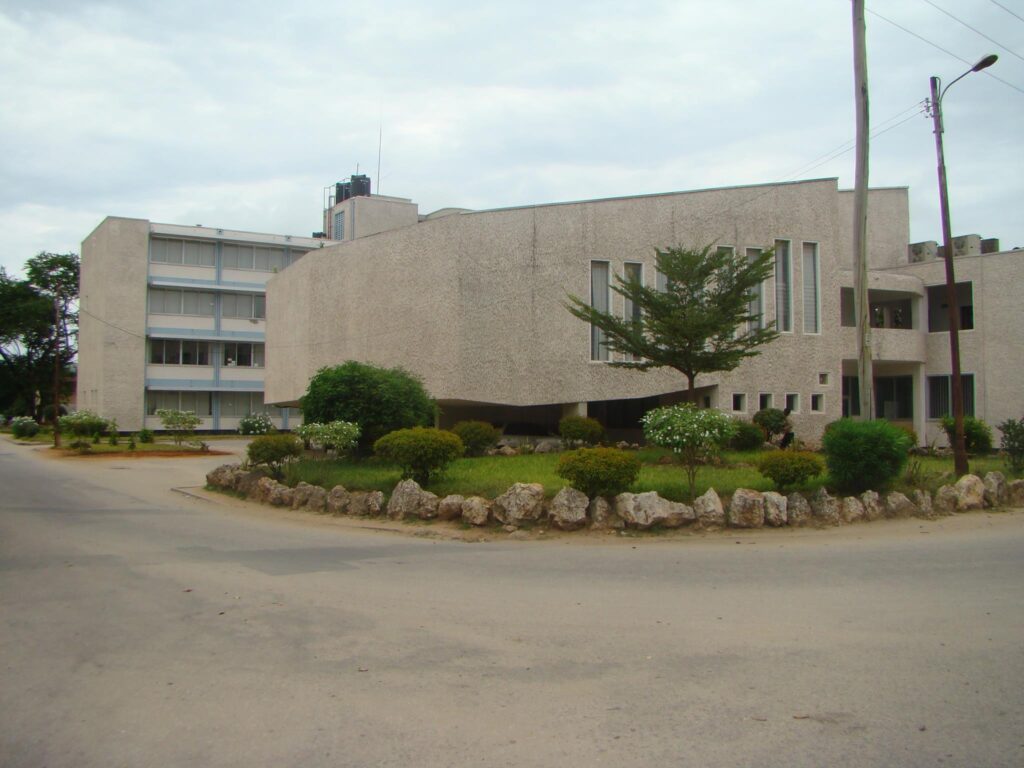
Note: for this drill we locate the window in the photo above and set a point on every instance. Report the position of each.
(243, 355)
(632, 272)
(173, 301)
(894, 397)
(756, 307)
(270, 259)
(940, 397)
(599, 300)
(179, 352)
(237, 404)
(197, 402)
(764, 400)
(725, 249)
(236, 256)
(243, 305)
(851, 396)
(823, 379)
(339, 226)
(793, 403)
(817, 403)
(660, 281)
(783, 287)
(190, 252)
(938, 307)
(812, 320)
(739, 401)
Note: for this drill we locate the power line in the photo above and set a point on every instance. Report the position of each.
(1007, 10)
(944, 50)
(974, 29)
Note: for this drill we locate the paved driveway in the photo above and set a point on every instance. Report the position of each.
(139, 627)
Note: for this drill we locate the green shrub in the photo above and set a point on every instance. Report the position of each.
(747, 437)
(599, 471)
(977, 435)
(181, 424)
(911, 433)
(790, 468)
(864, 455)
(83, 424)
(338, 436)
(24, 427)
(145, 435)
(580, 429)
(773, 421)
(273, 451)
(420, 451)
(379, 400)
(81, 445)
(696, 434)
(1013, 444)
(255, 424)
(476, 436)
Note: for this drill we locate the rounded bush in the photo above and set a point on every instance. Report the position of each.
(864, 455)
(84, 424)
(1013, 444)
(255, 424)
(145, 435)
(273, 451)
(790, 468)
(977, 435)
(580, 429)
(773, 421)
(24, 426)
(747, 437)
(599, 471)
(420, 451)
(379, 400)
(476, 436)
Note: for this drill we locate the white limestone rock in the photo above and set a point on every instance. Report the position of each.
(408, 500)
(522, 502)
(568, 510)
(775, 509)
(746, 509)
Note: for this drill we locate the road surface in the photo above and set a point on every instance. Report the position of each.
(141, 627)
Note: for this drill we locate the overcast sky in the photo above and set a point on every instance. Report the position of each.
(237, 115)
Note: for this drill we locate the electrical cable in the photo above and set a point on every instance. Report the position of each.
(974, 29)
(1007, 10)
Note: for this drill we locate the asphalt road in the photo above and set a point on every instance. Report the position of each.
(139, 627)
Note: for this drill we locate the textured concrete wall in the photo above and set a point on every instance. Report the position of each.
(473, 302)
(888, 226)
(112, 347)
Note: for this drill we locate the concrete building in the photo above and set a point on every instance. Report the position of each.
(175, 317)
(473, 302)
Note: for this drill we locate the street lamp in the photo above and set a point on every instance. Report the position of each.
(956, 389)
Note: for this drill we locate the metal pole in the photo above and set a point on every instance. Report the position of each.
(56, 371)
(959, 445)
(865, 373)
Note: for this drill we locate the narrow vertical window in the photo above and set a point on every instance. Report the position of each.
(756, 307)
(812, 319)
(599, 274)
(633, 273)
(783, 287)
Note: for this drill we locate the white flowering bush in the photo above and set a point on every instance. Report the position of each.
(337, 436)
(696, 434)
(255, 424)
(24, 426)
(84, 424)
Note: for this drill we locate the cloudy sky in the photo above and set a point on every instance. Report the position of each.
(237, 115)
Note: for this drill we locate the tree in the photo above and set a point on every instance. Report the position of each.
(700, 323)
(379, 400)
(31, 329)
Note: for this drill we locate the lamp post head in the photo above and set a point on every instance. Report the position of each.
(988, 61)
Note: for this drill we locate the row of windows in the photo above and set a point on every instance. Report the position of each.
(200, 253)
(767, 400)
(600, 292)
(232, 404)
(179, 301)
(894, 396)
(187, 352)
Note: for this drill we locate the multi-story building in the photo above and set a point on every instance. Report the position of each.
(474, 303)
(175, 317)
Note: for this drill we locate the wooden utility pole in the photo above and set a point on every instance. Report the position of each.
(56, 370)
(865, 373)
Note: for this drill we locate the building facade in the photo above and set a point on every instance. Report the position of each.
(175, 317)
(474, 303)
